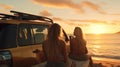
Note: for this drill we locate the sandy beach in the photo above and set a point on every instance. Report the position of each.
(106, 63)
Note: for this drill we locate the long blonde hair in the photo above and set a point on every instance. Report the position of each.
(78, 32)
(80, 40)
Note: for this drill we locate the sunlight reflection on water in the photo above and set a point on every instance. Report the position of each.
(104, 45)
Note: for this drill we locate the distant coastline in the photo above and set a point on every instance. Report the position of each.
(117, 32)
(102, 33)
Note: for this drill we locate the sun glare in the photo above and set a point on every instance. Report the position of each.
(97, 29)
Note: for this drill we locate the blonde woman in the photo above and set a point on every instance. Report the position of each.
(54, 47)
(78, 50)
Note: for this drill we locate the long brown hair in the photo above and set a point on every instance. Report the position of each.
(54, 34)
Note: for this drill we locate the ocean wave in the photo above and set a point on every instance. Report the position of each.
(105, 56)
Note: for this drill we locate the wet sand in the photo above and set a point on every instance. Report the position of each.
(106, 63)
(97, 63)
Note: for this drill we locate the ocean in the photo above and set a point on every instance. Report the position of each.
(104, 45)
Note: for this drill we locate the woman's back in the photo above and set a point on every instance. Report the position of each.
(54, 53)
(54, 47)
(77, 47)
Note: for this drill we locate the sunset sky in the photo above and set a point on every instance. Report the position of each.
(93, 16)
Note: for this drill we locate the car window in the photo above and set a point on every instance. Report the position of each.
(39, 32)
(24, 35)
(7, 35)
(31, 34)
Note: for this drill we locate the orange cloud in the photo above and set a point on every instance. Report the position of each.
(115, 14)
(116, 21)
(45, 13)
(60, 4)
(69, 4)
(75, 24)
(52, 3)
(7, 7)
(87, 20)
(105, 22)
(69, 22)
(57, 19)
(93, 6)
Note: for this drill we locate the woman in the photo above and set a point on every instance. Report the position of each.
(54, 47)
(78, 51)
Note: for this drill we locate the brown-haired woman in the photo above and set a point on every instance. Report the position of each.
(54, 47)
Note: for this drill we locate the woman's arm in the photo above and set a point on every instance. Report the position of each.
(86, 50)
(64, 51)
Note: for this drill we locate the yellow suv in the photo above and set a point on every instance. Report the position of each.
(21, 36)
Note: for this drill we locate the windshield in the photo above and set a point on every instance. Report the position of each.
(7, 35)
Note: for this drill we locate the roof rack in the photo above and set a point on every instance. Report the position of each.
(24, 16)
(4, 16)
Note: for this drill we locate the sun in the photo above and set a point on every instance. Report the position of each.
(97, 29)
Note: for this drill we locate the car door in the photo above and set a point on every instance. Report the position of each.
(25, 42)
(39, 33)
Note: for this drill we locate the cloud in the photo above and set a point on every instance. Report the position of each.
(115, 14)
(45, 13)
(60, 4)
(116, 22)
(57, 19)
(52, 3)
(84, 22)
(93, 6)
(68, 22)
(94, 21)
(6, 7)
(75, 24)
(78, 7)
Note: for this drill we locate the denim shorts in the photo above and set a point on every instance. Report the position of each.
(78, 63)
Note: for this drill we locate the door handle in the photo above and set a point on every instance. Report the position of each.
(36, 51)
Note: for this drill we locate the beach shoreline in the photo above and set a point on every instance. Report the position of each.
(103, 62)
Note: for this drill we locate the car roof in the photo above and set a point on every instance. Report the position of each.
(20, 17)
